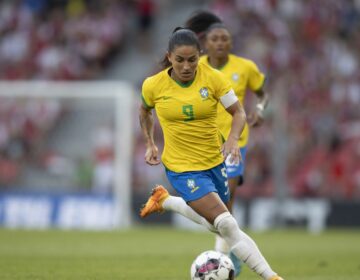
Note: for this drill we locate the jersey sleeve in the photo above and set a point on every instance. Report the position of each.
(223, 85)
(147, 94)
(256, 78)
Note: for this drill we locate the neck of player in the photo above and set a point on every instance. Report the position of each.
(218, 62)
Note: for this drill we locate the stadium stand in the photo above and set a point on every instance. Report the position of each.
(49, 40)
(316, 51)
(312, 52)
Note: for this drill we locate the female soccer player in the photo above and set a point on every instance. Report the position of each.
(199, 22)
(243, 74)
(185, 96)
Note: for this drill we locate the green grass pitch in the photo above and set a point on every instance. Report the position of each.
(160, 253)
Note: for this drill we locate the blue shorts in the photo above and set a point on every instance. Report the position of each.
(193, 185)
(235, 170)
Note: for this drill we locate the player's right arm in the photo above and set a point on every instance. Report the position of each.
(146, 119)
(147, 126)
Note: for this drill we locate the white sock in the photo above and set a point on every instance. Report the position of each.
(221, 245)
(178, 205)
(242, 245)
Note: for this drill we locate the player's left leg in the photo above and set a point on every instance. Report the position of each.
(243, 246)
(211, 206)
(206, 197)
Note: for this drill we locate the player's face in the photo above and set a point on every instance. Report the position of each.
(218, 43)
(184, 60)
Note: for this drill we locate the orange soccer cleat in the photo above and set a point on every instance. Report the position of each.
(155, 201)
(276, 277)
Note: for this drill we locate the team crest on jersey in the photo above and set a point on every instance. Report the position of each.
(235, 77)
(191, 185)
(204, 93)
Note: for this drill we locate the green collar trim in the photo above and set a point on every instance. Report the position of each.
(185, 85)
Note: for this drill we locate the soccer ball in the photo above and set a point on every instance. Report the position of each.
(212, 265)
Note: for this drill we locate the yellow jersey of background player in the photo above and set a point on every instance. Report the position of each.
(243, 74)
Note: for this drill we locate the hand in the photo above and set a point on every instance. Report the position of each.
(231, 149)
(256, 118)
(151, 155)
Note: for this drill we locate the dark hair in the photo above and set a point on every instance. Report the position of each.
(201, 20)
(181, 37)
(216, 25)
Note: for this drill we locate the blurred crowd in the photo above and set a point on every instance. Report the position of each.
(49, 40)
(310, 53)
(58, 40)
(308, 49)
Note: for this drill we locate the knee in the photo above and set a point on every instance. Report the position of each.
(225, 223)
(210, 226)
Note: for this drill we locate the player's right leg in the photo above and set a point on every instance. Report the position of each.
(191, 186)
(155, 202)
(160, 200)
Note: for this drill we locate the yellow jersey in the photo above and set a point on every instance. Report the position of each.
(187, 115)
(243, 74)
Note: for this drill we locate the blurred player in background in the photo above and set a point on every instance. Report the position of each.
(185, 96)
(199, 22)
(244, 75)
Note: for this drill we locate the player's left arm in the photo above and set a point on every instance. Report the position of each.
(233, 107)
